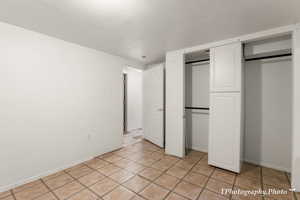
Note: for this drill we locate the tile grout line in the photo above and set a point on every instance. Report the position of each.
(50, 189)
(182, 179)
(293, 193)
(88, 187)
(13, 194)
(144, 150)
(204, 187)
(233, 186)
(262, 181)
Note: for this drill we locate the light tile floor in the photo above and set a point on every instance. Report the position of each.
(142, 171)
(132, 137)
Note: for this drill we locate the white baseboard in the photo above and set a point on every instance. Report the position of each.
(199, 149)
(39, 176)
(42, 175)
(269, 165)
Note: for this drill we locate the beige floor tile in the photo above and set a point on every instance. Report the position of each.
(121, 176)
(104, 186)
(59, 181)
(123, 163)
(297, 195)
(91, 178)
(81, 171)
(26, 186)
(154, 192)
(196, 179)
(177, 172)
(136, 197)
(84, 195)
(32, 192)
(136, 184)
(174, 196)
(96, 163)
(208, 195)
(106, 155)
(197, 154)
(134, 167)
(119, 193)
(185, 164)
(48, 196)
(146, 161)
(75, 167)
(188, 190)
(203, 169)
(109, 170)
(277, 193)
(10, 197)
(68, 190)
(157, 155)
(204, 160)
(150, 173)
(244, 196)
(112, 158)
(224, 176)
(171, 159)
(54, 175)
(4, 194)
(162, 165)
(167, 181)
(273, 172)
(248, 182)
(250, 170)
(218, 186)
(277, 181)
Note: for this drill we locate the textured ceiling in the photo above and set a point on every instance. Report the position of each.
(133, 28)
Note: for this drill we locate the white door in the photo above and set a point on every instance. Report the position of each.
(225, 131)
(226, 68)
(175, 103)
(153, 98)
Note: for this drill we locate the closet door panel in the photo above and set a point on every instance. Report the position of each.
(175, 102)
(225, 131)
(226, 64)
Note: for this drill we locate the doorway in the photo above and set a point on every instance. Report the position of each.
(132, 105)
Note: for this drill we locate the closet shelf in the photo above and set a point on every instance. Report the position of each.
(268, 55)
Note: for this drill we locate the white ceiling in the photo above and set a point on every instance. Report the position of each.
(133, 28)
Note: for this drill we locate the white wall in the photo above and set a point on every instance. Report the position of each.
(296, 110)
(134, 98)
(268, 113)
(268, 105)
(60, 104)
(197, 95)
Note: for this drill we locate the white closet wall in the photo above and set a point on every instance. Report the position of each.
(197, 95)
(268, 113)
(268, 106)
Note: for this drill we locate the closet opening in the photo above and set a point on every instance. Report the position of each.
(197, 101)
(268, 102)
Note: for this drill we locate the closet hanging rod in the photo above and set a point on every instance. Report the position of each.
(196, 61)
(268, 57)
(197, 108)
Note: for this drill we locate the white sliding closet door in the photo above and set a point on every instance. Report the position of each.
(225, 122)
(175, 102)
(225, 130)
(154, 104)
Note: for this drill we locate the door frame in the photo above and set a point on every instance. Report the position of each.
(124, 103)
